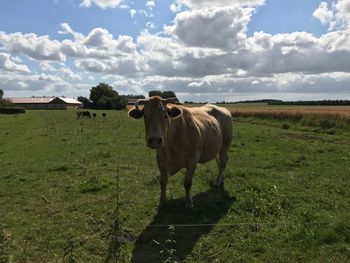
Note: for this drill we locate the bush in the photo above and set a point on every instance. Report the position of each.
(5, 103)
(12, 110)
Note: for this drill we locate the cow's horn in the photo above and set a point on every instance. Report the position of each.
(139, 102)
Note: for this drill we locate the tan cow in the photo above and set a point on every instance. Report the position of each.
(184, 137)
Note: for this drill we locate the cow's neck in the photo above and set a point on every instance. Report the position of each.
(173, 134)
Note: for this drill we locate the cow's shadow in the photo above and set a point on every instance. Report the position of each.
(210, 207)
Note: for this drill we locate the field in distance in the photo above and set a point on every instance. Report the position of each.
(263, 109)
(286, 200)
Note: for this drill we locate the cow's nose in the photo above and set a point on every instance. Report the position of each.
(154, 142)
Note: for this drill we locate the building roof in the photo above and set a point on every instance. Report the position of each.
(35, 100)
(70, 100)
(42, 100)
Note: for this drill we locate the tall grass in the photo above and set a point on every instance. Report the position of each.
(294, 112)
(323, 117)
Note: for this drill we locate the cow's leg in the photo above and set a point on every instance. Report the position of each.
(188, 184)
(163, 180)
(163, 184)
(222, 161)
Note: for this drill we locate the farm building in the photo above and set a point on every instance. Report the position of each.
(46, 103)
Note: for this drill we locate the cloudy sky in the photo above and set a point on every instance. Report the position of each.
(204, 50)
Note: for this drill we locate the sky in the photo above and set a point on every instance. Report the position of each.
(204, 50)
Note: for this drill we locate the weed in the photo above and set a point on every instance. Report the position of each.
(92, 185)
(4, 257)
(168, 249)
(68, 250)
(60, 168)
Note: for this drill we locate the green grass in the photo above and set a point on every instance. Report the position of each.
(286, 199)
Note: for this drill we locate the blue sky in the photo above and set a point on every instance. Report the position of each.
(203, 50)
(45, 17)
(278, 16)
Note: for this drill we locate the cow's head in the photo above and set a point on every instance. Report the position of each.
(156, 114)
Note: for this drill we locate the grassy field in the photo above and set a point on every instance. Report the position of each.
(87, 191)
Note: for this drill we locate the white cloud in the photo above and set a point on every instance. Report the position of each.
(150, 25)
(212, 27)
(150, 4)
(17, 85)
(91, 65)
(323, 13)
(101, 3)
(67, 30)
(199, 4)
(175, 8)
(132, 13)
(9, 65)
(69, 74)
(99, 44)
(99, 38)
(336, 16)
(16, 59)
(49, 78)
(36, 47)
(47, 66)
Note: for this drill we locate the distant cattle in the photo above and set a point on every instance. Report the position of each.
(184, 137)
(104, 114)
(94, 115)
(78, 114)
(86, 114)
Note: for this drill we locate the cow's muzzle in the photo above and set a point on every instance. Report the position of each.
(154, 142)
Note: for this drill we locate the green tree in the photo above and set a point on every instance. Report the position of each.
(1, 93)
(121, 103)
(155, 93)
(165, 94)
(86, 102)
(104, 103)
(101, 90)
(115, 103)
(5, 103)
(168, 94)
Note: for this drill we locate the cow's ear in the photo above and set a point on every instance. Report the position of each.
(136, 114)
(174, 111)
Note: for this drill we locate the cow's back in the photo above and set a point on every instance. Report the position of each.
(223, 116)
(215, 127)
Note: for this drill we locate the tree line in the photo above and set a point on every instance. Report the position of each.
(103, 96)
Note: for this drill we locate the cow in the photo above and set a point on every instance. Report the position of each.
(94, 115)
(78, 114)
(104, 115)
(184, 137)
(86, 114)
